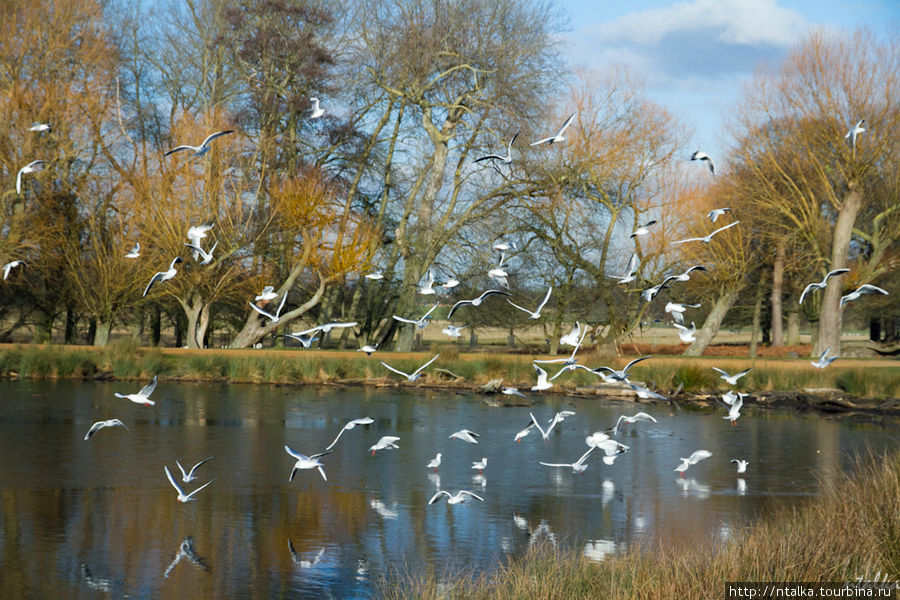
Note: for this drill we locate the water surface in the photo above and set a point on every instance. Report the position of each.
(105, 505)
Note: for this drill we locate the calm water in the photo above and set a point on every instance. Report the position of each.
(106, 503)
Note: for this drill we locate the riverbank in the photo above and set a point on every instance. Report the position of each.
(850, 533)
(864, 385)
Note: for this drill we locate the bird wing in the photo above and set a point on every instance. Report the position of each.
(644, 417)
(487, 293)
(836, 272)
(294, 453)
(148, 389)
(546, 298)
(402, 320)
(723, 373)
(806, 290)
(543, 141)
(870, 289)
(420, 369)
(179, 149)
(635, 361)
(632, 265)
(94, 428)
(197, 466)
(570, 465)
(457, 305)
(538, 425)
(430, 310)
(390, 368)
(742, 373)
(199, 488)
(438, 495)
(522, 308)
(172, 481)
(261, 311)
(565, 125)
(153, 280)
(213, 136)
(489, 157)
(693, 239)
(468, 493)
(724, 228)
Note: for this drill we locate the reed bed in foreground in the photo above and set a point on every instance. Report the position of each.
(125, 360)
(851, 531)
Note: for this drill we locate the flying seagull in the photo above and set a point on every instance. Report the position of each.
(29, 168)
(410, 377)
(578, 466)
(854, 132)
(40, 127)
(824, 360)
(643, 229)
(476, 301)
(498, 273)
(368, 349)
(387, 442)
(306, 462)
(535, 314)
(716, 213)
(571, 338)
(698, 155)
(206, 256)
(863, 289)
(641, 416)
(557, 418)
(375, 276)
(741, 465)
(428, 288)
(542, 383)
(677, 310)
(453, 331)
(683, 276)
(202, 148)
(456, 498)
(504, 159)
(623, 374)
(820, 285)
(100, 425)
(464, 435)
(188, 476)
(693, 459)
(163, 275)
(684, 334)
(274, 318)
(731, 379)
(628, 277)
(350, 425)
(143, 396)
(421, 322)
(10, 266)
(734, 411)
(555, 139)
(267, 293)
(135, 252)
(707, 238)
(316, 110)
(181, 495)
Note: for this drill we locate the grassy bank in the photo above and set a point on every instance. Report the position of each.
(125, 360)
(851, 531)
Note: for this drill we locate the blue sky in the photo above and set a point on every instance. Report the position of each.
(696, 55)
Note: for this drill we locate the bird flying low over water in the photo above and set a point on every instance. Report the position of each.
(387, 442)
(863, 289)
(143, 396)
(202, 148)
(698, 155)
(350, 425)
(542, 383)
(731, 379)
(29, 168)
(558, 137)
(579, 466)
(693, 459)
(410, 377)
(741, 465)
(641, 416)
(464, 435)
(557, 418)
(101, 424)
(456, 498)
(623, 374)
(182, 497)
(163, 275)
(306, 462)
(820, 285)
(188, 476)
(504, 159)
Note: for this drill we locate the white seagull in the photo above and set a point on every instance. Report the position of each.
(693, 459)
(181, 495)
(578, 466)
(611, 448)
(677, 310)
(623, 374)
(316, 110)
(504, 159)
(40, 127)
(274, 318)
(741, 465)
(327, 327)
(350, 425)
(511, 391)
(542, 383)
(101, 424)
(518, 437)
(135, 252)
(368, 349)
(195, 235)
(854, 132)
(698, 155)
(480, 465)
(824, 360)
(503, 246)
(188, 476)
(464, 435)
(645, 393)
(628, 277)
(202, 148)
(200, 253)
(453, 331)
(707, 238)
(451, 283)
(267, 293)
(535, 314)
(641, 416)
(29, 168)
(730, 397)
(683, 276)
(734, 411)
(643, 229)
(498, 273)
(571, 338)
(163, 275)
(387, 442)
(306, 462)
(568, 361)
(557, 418)
(410, 377)
(435, 462)
(555, 139)
(304, 337)
(716, 213)
(421, 322)
(820, 285)
(375, 276)
(475, 301)
(460, 496)
(863, 289)
(731, 379)
(10, 266)
(684, 334)
(428, 288)
(143, 396)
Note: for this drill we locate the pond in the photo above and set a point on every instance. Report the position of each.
(98, 518)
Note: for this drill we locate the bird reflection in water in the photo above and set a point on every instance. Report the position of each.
(97, 583)
(302, 562)
(186, 550)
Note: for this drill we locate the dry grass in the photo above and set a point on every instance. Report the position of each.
(852, 530)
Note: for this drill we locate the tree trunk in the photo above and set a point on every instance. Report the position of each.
(757, 313)
(255, 329)
(710, 327)
(793, 327)
(156, 326)
(101, 333)
(830, 321)
(71, 331)
(197, 313)
(43, 328)
(777, 290)
(407, 305)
